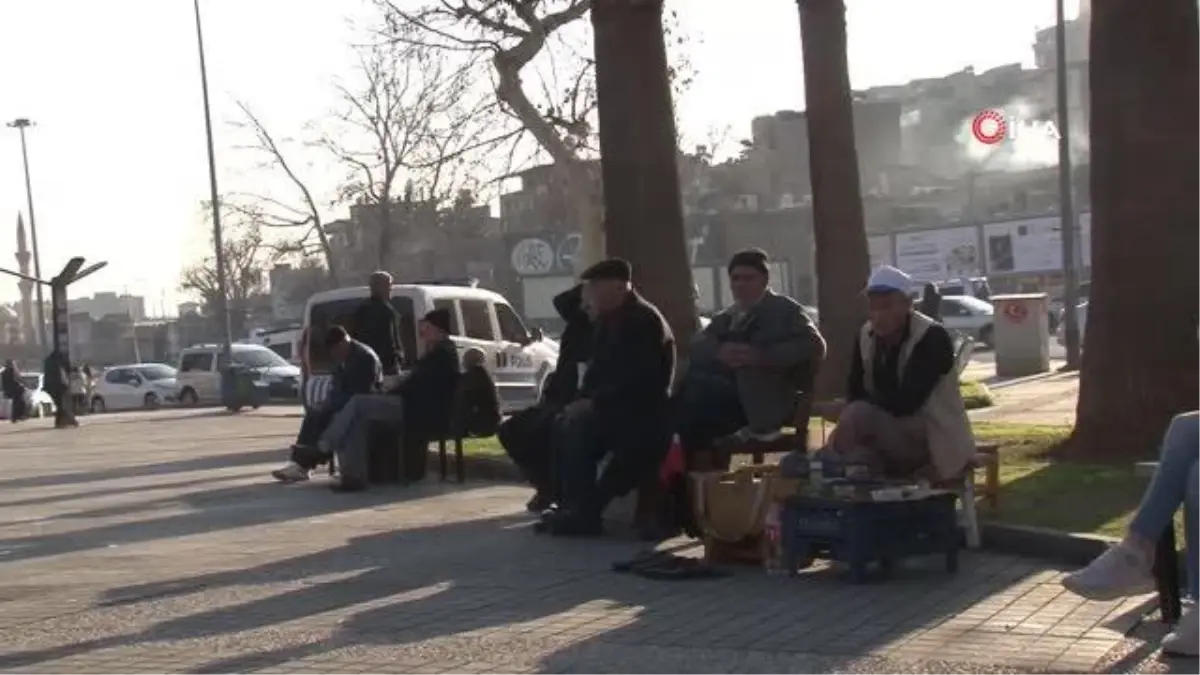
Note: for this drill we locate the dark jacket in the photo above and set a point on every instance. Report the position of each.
(55, 380)
(10, 383)
(931, 302)
(377, 324)
(360, 373)
(574, 348)
(480, 402)
(429, 390)
(633, 361)
(902, 395)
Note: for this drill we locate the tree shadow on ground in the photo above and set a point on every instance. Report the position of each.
(470, 577)
(213, 510)
(190, 464)
(1070, 496)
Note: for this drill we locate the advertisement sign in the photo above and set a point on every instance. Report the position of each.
(1033, 245)
(938, 255)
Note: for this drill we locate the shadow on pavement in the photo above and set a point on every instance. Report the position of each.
(177, 466)
(447, 580)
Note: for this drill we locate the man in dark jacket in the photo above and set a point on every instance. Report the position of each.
(421, 405)
(377, 324)
(619, 426)
(56, 382)
(357, 371)
(528, 436)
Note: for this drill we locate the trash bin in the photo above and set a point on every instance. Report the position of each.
(242, 388)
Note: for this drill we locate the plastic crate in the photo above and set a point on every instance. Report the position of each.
(861, 532)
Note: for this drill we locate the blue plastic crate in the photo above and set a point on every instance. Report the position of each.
(861, 532)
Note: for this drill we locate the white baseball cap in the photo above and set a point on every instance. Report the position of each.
(887, 279)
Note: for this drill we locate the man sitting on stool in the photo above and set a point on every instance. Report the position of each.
(623, 412)
(357, 371)
(420, 405)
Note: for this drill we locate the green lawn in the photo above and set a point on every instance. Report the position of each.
(975, 395)
(1035, 489)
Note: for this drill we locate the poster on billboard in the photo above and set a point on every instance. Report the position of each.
(880, 249)
(939, 255)
(1032, 245)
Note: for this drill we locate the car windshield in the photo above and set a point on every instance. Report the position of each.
(32, 381)
(259, 358)
(974, 305)
(157, 371)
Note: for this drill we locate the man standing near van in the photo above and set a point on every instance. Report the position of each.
(377, 324)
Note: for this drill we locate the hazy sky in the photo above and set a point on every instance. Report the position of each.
(118, 155)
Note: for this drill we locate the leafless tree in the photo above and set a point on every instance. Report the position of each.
(540, 60)
(303, 213)
(246, 259)
(408, 135)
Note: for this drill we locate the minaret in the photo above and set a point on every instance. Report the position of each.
(28, 329)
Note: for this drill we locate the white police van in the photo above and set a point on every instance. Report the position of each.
(519, 358)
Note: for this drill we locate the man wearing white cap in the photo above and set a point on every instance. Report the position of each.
(904, 415)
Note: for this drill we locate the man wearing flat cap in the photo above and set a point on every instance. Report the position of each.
(747, 365)
(904, 416)
(619, 425)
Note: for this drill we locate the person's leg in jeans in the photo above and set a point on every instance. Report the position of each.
(314, 429)
(1126, 569)
(351, 443)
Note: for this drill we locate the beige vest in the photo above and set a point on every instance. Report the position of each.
(951, 441)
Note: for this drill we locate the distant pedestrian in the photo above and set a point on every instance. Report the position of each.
(931, 302)
(14, 390)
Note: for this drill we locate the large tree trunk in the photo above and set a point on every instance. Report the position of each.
(643, 214)
(843, 261)
(1140, 361)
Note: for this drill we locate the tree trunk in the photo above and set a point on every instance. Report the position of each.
(643, 214)
(841, 242)
(1140, 362)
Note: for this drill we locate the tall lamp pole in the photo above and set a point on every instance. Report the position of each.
(1066, 207)
(218, 241)
(21, 124)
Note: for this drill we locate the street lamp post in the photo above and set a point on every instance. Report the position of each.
(1066, 209)
(214, 199)
(21, 124)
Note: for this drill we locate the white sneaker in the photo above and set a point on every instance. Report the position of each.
(1121, 571)
(1185, 639)
(290, 473)
(767, 437)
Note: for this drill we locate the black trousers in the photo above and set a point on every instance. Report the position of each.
(19, 409)
(706, 411)
(529, 438)
(313, 425)
(606, 456)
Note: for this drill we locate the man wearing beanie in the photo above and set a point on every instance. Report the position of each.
(748, 364)
(419, 406)
(619, 425)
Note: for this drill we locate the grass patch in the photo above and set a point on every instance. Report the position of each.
(1035, 488)
(975, 395)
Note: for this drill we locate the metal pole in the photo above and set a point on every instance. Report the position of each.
(1066, 207)
(20, 125)
(218, 243)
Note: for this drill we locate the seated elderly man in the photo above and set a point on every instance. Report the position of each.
(357, 371)
(904, 415)
(746, 366)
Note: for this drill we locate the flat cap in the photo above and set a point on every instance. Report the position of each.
(613, 269)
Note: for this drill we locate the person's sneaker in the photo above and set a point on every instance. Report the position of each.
(290, 473)
(1183, 641)
(1120, 571)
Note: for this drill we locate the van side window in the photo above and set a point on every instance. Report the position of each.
(448, 305)
(512, 329)
(477, 320)
(196, 362)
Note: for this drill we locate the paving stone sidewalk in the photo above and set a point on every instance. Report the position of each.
(156, 543)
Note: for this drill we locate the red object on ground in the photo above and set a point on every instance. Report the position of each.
(673, 464)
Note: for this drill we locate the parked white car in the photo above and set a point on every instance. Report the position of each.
(200, 366)
(969, 315)
(40, 403)
(139, 385)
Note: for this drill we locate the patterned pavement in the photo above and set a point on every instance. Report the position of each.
(154, 542)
